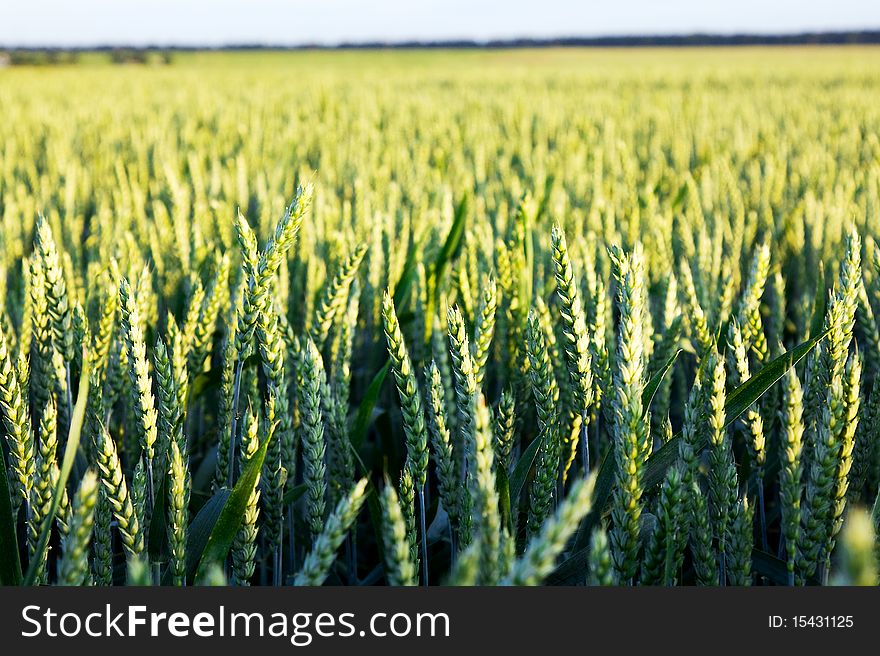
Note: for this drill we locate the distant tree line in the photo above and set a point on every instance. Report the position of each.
(62, 56)
(634, 41)
(164, 55)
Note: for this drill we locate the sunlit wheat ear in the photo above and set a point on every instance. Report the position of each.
(829, 421)
(543, 549)
(102, 335)
(110, 470)
(191, 316)
(335, 296)
(852, 400)
(481, 469)
(43, 381)
(790, 472)
(446, 465)
(214, 301)
(505, 428)
(178, 513)
(485, 329)
(259, 271)
(465, 386)
(74, 568)
(574, 329)
(632, 440)
(244, 546)
(143, 403)
(697, 320)
(44, 482)
(749, 313)
(399, 566)
(723, 483)
(260, 268)
(465, 382)
(320, 558)
(840, 318)
(16, 423)
(58, 303)
(753, 420)
(408, 391)
(248, 306)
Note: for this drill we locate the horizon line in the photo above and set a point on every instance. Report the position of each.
(697, 38)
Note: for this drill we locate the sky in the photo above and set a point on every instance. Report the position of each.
(292, 22)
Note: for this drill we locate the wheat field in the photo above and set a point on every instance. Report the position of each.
(582, 317)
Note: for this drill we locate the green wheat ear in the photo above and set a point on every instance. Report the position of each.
(546, 396)
(702, 552)
(485, 329)
(408, 510)
(102, 562)
(313, 443)
(723, 483)
(335, 296)
(741, 541)
(632, 441)
(578, 357)
(244, 546)
(505, 428)
(408, 391)
(791, 469)
(260, 268)
(400, 569)
(142, 401)
(16, 423)
(44, 483)
(178, 515)
(118, 495)
(320, 558)
(540, 556)
(441, 443)
(664, 551)
(601, 565)
(58, 302)
(749, 310)
(75, 563)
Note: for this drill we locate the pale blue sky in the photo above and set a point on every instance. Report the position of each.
(218, 22)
